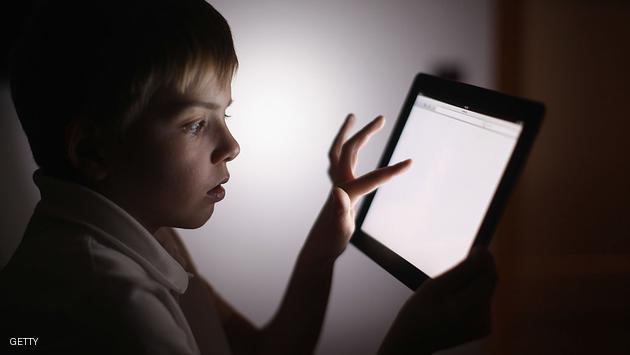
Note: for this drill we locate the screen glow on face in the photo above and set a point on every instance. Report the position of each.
(430, 215)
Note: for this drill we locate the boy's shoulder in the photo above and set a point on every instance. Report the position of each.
(80, 239)
(63, 279)
(57, 256)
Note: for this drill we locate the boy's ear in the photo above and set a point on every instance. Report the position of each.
(84, 151)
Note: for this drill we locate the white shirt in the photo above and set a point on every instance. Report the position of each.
(89, 278)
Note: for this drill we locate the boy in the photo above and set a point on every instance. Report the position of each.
(123, 104)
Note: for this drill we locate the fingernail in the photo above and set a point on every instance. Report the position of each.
(406, 163)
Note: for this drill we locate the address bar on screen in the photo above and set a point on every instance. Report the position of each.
(460, 116)
(477, 122)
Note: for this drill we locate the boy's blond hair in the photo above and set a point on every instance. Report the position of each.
(104, 62)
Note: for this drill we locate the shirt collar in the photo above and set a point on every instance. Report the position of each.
(79, 204)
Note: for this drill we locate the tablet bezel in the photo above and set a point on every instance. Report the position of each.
(471, 98)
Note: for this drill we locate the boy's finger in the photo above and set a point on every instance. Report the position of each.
(372, 180)
(335, 149)
(363, 135)
(479, 263)
(350, 149)
(479, 290)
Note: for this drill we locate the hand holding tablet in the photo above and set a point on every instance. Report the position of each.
(449, 310)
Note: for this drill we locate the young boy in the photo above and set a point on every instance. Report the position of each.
(123, 103)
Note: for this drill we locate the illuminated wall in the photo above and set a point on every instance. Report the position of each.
(303, 67)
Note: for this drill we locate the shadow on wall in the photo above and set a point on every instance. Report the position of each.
(16, 184)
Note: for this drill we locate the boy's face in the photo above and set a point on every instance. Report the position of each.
(167, 170)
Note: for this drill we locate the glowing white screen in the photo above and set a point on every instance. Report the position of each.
(431, 214)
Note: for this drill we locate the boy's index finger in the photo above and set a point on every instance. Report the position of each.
(335, 149)
(372, 180)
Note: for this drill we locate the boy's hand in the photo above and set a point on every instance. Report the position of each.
(449, 310)
(335, 224)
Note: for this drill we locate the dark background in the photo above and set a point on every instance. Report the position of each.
(563, 248)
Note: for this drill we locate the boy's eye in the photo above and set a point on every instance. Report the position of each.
(195, 127)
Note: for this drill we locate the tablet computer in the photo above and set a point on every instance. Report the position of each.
(468, 145)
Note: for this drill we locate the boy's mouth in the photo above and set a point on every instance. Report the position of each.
(218, 192)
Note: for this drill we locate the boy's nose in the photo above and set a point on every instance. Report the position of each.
(227, 150)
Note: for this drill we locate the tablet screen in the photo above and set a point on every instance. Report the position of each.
(431, 214)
